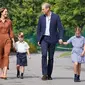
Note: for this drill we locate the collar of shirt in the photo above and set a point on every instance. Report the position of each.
(1, 20)
(78, 36)
(21, 42)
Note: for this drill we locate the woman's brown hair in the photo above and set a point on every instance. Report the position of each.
(1, 10)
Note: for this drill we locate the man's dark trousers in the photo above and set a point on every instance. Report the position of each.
(47, 47)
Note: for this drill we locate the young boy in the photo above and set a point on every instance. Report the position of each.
(78, 51)
(22, 49)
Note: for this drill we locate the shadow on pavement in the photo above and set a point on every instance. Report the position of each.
(62, 77)
(24, 77)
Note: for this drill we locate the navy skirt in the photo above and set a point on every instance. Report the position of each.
(21, 59)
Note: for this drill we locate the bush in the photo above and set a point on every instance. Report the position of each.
(33, 48)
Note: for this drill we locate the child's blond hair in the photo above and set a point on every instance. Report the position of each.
(21, 34)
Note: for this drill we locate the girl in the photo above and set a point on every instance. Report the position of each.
(78, 51)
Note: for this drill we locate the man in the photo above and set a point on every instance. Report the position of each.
(49, 32)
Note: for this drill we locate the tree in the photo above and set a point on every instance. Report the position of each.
(72, 13)
(25, 14)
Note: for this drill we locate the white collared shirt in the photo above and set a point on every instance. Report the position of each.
(48, 19)
(21, 46)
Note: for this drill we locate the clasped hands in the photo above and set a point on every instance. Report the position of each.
(60, 41)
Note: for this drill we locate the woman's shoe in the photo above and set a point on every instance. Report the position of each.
(4, 77)
(1, 76)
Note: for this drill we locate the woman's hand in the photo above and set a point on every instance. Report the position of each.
(13, 42)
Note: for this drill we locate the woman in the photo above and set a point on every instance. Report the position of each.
(6, 35)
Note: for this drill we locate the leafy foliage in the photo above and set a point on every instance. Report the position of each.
(25, 13)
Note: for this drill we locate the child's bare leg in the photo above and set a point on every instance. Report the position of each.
(79, 68)
(18, 67)
(79, 71)
(75, 68)
(22, 71)
(75, 71)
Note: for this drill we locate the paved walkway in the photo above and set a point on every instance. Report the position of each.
(62, 72)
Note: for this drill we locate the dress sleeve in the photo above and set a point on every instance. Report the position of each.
(11, 31)
(70, 40)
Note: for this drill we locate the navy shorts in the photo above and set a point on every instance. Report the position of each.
(21, 59)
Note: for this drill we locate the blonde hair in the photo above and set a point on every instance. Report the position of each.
(46, 5)
(21, 34)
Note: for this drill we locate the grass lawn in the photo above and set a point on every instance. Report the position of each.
(65, 54)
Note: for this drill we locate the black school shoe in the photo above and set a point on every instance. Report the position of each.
(49, 78)
(44, 77)
(21, 76)
(77, 78)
